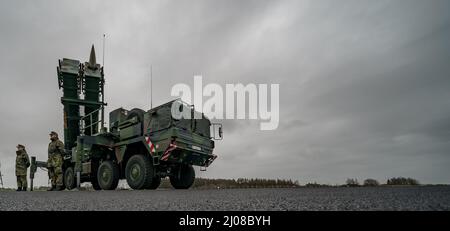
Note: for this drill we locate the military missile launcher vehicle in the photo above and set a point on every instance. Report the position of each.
(141, 146)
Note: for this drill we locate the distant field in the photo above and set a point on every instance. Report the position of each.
(342, 198)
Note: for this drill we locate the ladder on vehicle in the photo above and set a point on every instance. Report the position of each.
(94, 125)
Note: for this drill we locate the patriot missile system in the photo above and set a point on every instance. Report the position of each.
(141, 146)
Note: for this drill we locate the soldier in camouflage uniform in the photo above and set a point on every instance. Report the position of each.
(22, 164)
(55, 161)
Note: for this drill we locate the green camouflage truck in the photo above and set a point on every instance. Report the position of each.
(141, 146)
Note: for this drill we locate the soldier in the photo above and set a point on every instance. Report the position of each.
(55, 161)
(22, 164)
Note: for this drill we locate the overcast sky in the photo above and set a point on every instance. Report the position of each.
(364, 85)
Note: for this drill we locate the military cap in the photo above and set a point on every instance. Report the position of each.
(20, 146)
(53, 133)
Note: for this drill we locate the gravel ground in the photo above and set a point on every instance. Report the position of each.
(380, 198)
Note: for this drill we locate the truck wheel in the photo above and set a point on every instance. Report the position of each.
(183, 177)
(139, 172)
(69, 178)
(108, 175)
(156, 181)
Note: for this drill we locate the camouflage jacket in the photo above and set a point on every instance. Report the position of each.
(22, 163)
(55, 147)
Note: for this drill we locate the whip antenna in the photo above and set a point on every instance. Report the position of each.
(151, 86)
(104, 38)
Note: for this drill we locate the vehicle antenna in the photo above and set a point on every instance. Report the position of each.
(103, 61)
(151, 86)
(1, 176)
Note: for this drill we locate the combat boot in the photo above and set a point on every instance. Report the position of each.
(52, 188)
(24, 189)
(19, 189)
(58, 188)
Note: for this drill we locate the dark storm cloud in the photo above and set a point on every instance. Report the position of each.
(363, 84)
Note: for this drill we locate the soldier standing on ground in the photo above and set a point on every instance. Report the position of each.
(55, 161)
(22, 164)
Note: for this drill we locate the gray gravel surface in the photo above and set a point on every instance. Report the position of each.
(380, 198)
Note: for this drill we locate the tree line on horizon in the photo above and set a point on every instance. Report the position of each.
(211, 183)
(238, 183)
(282, 183)
(353, 182)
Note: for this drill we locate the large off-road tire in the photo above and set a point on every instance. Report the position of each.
(139, 172)
(108, 175)
(69, 178)
(183, 177)
(156, 181)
